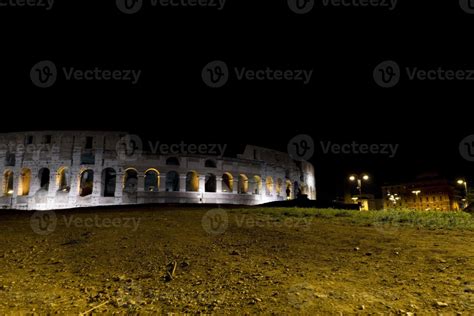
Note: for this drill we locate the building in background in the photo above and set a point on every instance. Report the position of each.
(426, 193)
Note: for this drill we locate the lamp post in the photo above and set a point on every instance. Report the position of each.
(464, 183)
(359, 179)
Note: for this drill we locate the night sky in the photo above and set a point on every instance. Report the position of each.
(341, 104)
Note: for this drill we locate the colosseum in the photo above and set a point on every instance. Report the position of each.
(68, 169)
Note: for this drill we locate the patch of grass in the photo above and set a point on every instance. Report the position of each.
(398, 217)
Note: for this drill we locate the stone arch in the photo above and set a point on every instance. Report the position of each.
(130, 180)
(86, 182)
(288, 188)
(109, 181)
(25, 182)
(257, 184)
(63, 179)
(279, 186)
(296, 189)
(43, 176)
(243, 184)
(227, 182)
(269, 185)
(210, 185)
(172, 161)
(210, 163)
(8, 183)
(192, 181)
(152, 180)
(172, 181)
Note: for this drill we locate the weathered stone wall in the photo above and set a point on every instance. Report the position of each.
(54, 170)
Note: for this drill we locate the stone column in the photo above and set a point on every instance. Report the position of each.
(235, 188)
(140, 182)
(162, 182)
(118, 187)
(202, 183)
(218, 184)
(182, 182)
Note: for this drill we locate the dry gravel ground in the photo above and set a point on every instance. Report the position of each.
(228, 262)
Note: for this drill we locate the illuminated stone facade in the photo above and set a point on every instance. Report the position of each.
(69, 169)
(425, 195)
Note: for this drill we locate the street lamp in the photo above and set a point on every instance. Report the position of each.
(359, 179)
(394, 198)
(464, 183)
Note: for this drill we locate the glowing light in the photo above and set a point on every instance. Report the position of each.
(460, 181)
(352, 178)
(365, 177)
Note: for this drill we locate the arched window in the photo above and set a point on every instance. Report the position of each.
(172, 181)
(279, 186)
(86, 184)
(172, 161)
(269, 185)
(25, 181)
(257, 185)
(130, 181)
(210, 164)
(227, 182)
(288, 189)
(63, 180)
(243, 184)
(8, 183)
(43, 176)
(109, 181)
(210, 183)
(192, 181)
(152, 180)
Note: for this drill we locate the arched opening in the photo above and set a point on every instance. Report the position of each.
(269, 185)
(257, 185)
(172, 161)
(43, 176)
(130, 181)
(25, 182)
(296, 189)
(192, 181)
(210, 183)
(152, 180)
(86, 184)
(63, 179)
(279, 186)
(288, 189)
(210, 164)
(8, 183)
(227, 182)
(172, 181)
(109, 181)
(243, 184)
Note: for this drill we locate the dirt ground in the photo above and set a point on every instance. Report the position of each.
(227, 261)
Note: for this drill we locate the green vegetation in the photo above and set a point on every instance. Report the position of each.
(399, 217)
